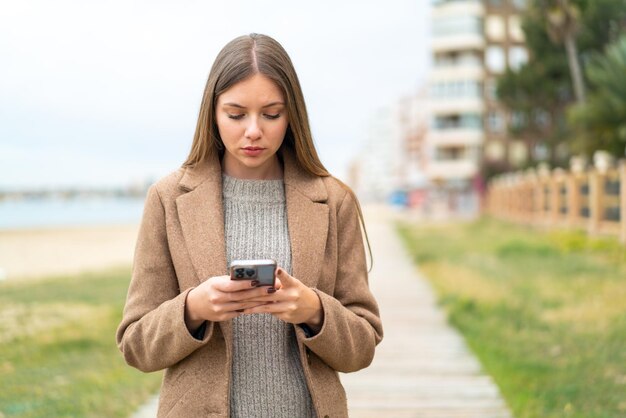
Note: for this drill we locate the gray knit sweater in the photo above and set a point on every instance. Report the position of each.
(267, 375)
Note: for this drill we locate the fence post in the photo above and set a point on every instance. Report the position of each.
(595, 201)
(516, 188)
(553, 184)
(540, 199)
(531, 175)
(524, 198)
(494, 197)
(622, 200)
(489, 200)
(573, 199)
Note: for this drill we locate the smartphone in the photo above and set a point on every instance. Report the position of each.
(262, 270)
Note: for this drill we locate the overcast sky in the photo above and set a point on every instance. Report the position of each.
(106, 93)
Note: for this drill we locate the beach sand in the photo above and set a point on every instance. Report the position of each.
(34, 253)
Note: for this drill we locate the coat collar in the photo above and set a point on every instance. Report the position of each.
(210, 170)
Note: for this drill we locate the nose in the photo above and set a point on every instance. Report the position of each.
(253, 130)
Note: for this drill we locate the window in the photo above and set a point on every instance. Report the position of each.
(515, 29)
(491, 89)
(518, 56)
(471, 120)
(473, 88)
(438, 2)
(518, 120)
(448, 153)
(494, 58)
(495, 122)
(446, 122)
(465, 58)
(494, 28)
(443, 60)
(469, 58)
(456, 89)
(518, 153)
(463, 121)
(520, 4)
(541, 151)
(541, 118)
(494, 150)
(458, 25)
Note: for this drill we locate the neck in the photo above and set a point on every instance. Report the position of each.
(272, 170)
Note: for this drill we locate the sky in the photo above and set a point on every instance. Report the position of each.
(106, 94)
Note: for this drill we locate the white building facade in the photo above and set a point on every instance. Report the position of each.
(462, 83)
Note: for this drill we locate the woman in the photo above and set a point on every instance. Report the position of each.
(252, 188)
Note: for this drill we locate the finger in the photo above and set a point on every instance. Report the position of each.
(277, 307)
(286, 280)
(268, 298)
(274, 295)
(228, 285)
(231, 307)
(249, 294)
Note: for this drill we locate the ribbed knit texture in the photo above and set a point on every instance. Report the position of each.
(267, 375)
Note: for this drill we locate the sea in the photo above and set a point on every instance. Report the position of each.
(58, 212)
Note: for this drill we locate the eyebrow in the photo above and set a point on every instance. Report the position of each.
(243, 107)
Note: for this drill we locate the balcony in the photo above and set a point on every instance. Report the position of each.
(451, 106)
(457, 72)
(458, 42)
(451, 169)
(455, 137)
(446, 9)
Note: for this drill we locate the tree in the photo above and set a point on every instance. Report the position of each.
(538, 92)
(563, 24)
(602, 119)
(541, 91)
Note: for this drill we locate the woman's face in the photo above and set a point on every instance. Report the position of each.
(252, 120)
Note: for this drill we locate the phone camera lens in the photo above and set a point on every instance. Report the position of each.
(250, 272)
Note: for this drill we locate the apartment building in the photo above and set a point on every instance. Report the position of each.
(377, 171)
(393, 156)
(504, 49)
(473, 41)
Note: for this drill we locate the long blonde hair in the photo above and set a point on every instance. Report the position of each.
(240, 59)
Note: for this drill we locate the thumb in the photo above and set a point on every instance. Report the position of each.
(284, 277)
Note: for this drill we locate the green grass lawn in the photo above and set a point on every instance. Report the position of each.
(58, 356)
(544, 312)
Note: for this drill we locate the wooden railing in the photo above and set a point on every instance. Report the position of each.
(593, 200)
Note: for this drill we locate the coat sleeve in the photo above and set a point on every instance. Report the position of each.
(351, 328)
(152, 334)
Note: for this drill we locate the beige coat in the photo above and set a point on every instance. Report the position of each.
(181, 243)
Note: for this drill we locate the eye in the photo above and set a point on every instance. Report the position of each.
(276, 116)
(236, 117)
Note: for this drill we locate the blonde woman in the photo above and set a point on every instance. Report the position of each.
(252, 187)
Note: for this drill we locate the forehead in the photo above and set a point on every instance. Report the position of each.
(255, 90)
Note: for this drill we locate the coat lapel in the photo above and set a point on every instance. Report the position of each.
(201, 216)
(307, 220)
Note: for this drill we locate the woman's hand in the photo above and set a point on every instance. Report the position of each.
(293, 302)
(219, 299)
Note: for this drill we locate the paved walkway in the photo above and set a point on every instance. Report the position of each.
(422, 368)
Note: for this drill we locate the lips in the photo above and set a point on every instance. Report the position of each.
(253, 151)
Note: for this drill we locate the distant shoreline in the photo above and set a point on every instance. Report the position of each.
(60, 213)
(61, 228)
(37, 228)
(36, 252)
